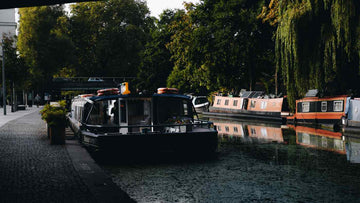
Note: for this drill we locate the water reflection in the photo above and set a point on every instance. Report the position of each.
(249, 132)
(241, 131)
(352, 145)
(320, 139)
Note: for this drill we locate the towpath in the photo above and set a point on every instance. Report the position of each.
(32, 170)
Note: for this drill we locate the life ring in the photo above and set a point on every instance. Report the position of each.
(86, 95)
(110, 91)
(166, 90)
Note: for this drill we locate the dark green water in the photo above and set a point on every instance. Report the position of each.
(256, 162)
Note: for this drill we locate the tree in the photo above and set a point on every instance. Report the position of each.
(156, 64)
(43, 42)
(317, 45)
(221, 45)
(110, 36)
(16, 70)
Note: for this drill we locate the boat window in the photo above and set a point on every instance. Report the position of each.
(324, 106)
(252, 104)
(253, 131)
(226, 102)
(173, 108)
(235, 102)
(305, 107)
(139, 113)
(263, 105)
(338, 105)
(200, 101)
(101, 113)
(218, 102)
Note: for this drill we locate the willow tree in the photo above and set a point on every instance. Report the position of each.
(317, 45)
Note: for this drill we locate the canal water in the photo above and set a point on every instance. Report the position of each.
(255, 162)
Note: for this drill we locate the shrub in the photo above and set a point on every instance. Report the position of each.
(54, 115)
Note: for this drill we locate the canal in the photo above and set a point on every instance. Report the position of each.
(255, 163)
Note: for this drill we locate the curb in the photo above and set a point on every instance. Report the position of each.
(98, 182)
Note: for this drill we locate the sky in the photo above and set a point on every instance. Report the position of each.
(157, 6)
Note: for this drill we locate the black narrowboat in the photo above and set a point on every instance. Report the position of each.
(124, 121)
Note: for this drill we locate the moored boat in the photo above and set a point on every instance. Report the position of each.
(329, 110)
(163, 121)
(200, 103)
(351, 121)
(251, 105)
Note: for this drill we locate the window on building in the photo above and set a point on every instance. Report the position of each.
(227, 128)
(235, 129)
(338, 105)
(219, 128)
(226, 102)
(324, 106)
(218, 102)
(305, 107)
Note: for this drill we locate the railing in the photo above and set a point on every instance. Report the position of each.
(148, 129)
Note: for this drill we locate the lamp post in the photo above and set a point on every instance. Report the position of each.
(3, 76)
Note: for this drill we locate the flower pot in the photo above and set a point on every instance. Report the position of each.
(57, 134)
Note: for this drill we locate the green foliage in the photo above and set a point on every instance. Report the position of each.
(317, 45)
(15, 67)
(54, 115)
(156, 65)
(109, 36)
(220, 44)
(44, 42)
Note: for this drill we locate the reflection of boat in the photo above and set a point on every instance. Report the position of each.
(325, 110)
(250, 105)
(352, 149)
(126, 121)
(250, 131)
(319, 139)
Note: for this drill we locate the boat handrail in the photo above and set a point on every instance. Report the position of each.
(201, 123)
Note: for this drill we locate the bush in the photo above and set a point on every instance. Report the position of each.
(54, 115)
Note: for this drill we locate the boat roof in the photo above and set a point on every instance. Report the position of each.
(108, 97)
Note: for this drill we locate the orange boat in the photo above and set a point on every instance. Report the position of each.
(326, 110)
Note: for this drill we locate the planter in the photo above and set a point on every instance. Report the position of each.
(57, 134)
(55, 117)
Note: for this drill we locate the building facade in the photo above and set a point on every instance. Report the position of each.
(7, 23)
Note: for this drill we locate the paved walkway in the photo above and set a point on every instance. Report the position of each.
(32, 170)
(14, 115)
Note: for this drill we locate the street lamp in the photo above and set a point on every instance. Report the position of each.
(3, 76)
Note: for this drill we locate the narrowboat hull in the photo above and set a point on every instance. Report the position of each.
(202, 142)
